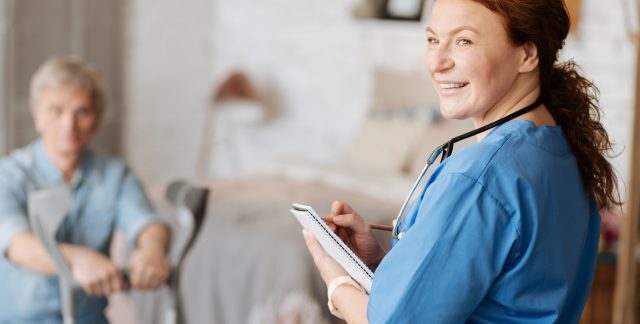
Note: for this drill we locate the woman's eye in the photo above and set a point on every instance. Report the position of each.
(464, 42)
(432, 40)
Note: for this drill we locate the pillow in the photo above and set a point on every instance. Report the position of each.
(393, 130)
(383, 145)
(431, 137)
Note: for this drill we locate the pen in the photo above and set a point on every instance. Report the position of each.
(381, 227)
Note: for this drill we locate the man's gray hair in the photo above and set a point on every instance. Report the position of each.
(66, 71)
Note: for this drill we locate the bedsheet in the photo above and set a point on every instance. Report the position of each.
(249, 263)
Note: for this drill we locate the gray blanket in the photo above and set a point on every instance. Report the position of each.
(250, 264)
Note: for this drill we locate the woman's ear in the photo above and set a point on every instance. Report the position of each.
(530, 58)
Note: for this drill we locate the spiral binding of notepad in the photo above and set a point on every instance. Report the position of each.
(344, 249)
(334, 246)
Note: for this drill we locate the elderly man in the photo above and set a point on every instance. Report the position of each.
(67, 102)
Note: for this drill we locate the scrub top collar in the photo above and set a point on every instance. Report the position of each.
(50, 174)
(536, 135)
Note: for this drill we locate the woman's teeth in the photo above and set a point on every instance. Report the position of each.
(452, 85)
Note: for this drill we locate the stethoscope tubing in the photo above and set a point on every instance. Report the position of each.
(432, 158)
(446, 150)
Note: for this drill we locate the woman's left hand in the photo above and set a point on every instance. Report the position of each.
(328, 267)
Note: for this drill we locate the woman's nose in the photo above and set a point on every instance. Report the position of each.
(439, 60)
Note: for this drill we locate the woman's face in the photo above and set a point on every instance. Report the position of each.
(470, 58)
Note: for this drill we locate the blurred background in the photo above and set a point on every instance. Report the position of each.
(275, 101)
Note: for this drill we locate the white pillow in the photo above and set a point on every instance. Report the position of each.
(383, 145)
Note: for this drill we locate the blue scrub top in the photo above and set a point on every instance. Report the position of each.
(504, 232)
(106, 196)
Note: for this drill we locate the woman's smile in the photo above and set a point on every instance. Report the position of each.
(448, 88)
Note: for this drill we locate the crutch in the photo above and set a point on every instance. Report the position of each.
(48, 207)
(189, 203)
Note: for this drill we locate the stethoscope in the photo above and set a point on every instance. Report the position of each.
(446, 150)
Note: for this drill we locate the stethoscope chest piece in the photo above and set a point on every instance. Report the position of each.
(400, 234)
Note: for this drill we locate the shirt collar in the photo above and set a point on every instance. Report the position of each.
(50, 173)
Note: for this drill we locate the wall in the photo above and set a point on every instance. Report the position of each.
(168, 61)
(606, 54)
(33, 31)
(312, 62)
(5, 90)
(316, 66)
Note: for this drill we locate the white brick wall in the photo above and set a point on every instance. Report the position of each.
(607, 56)
(167, 79)
(306, 55)
(309, 60)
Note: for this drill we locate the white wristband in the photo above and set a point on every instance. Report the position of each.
(335, 283)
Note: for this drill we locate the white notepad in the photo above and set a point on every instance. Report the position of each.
(334, 246)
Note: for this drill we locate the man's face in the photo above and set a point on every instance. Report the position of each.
(66, 119)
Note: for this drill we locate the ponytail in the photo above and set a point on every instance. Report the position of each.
(570, 97)
(573, 102)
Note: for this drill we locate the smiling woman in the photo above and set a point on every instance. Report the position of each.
(478, 70)
(507, 229)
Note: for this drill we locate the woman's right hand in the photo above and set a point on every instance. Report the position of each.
(355, 232)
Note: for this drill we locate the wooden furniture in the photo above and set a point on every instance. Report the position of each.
(574, 6)
(598, 309)
(625, 301)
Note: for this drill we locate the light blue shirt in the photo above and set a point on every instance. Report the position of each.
(504, 232)
(105, 196)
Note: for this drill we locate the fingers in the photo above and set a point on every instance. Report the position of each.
(342, 215)
(352, 221)
(149, 276)
(149, 264)
(104, 286)
(104, 283)
(317, 252)
(92, 288)
(331, 225)
(143, 278)
(313, 245)
(340, 207)
(326, 265)
(136, 277)
(116, 283)
(95, 272)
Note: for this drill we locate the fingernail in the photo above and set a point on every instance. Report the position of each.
(305, 233)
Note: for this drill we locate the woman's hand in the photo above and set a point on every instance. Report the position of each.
(351, 303)
(328, 267)
(356, 233)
